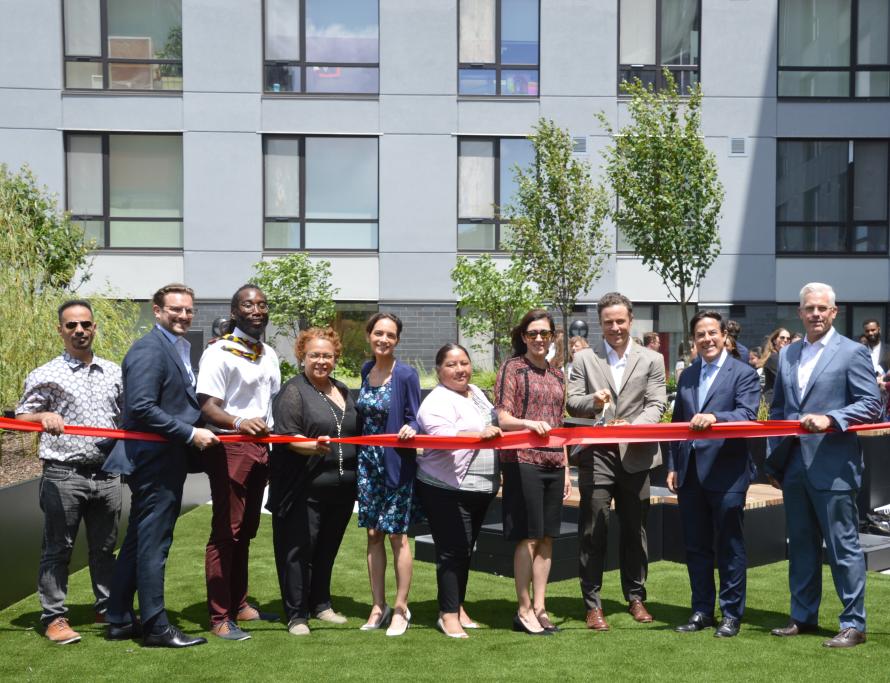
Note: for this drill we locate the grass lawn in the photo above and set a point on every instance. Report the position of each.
(628, 652)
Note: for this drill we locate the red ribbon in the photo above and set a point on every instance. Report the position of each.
(558, 437)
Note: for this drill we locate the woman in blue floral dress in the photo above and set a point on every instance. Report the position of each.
(387, 404)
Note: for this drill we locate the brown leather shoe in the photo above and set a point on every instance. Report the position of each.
(639, 612)
(596, 621)
(794, 629)
(848, 637)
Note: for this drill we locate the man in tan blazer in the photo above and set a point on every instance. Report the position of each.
(619, 382)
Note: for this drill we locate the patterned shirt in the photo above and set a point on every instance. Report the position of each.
(528, 392)
(82, 394)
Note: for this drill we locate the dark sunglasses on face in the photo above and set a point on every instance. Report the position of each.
(85, 324)
(543, 334)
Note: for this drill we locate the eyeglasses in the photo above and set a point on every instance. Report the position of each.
(85, 324)
(260, 306)
(545, 335)
(320, 356)
(179, 310)
(783, 337)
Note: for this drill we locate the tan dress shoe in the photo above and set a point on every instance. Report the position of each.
(848, 637)
(596, 621)
(639, 612)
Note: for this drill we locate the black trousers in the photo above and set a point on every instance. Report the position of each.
(306, 541)
(602, 479)
(455, 518)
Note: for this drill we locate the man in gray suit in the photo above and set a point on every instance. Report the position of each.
(621, 383)
(827, 382)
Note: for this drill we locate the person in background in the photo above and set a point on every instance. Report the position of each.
(529, 395)
(77, 388)
(652, 341)
(879, 351)
(731, 347)
(797, 336)
(387, 404)
(754, 356)
(777, 340)
(456, 486)
(312, 484)
(733, 329)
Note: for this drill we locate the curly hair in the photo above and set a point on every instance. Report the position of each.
(326, 333)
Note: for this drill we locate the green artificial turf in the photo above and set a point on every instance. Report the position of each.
(629, 651)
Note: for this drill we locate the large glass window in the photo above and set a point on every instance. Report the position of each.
(126, 190)
(658, 34)
(485, 168)
(498, 48)
(123, 44)
(834, 48)
(321, 46)
(831, 196)
(320, 193)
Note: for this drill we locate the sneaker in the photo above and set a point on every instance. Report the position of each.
(59, 632)
(251, 613)
(298, 628)
(228, 630)
(330, 616)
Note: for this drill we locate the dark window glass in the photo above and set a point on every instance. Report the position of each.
(321, 46)
(831, 196)
(320, 193)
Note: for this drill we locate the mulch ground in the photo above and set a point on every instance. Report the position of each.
(18, 458)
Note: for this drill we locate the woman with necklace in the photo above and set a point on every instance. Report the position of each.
(456, 486)
(312, 483)
(387, 404)
(529, 394)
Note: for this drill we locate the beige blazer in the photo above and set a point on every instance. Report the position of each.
(641, 398)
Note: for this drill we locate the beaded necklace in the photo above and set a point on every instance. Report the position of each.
(339, 422)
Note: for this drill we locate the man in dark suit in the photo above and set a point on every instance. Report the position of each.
(711, 476)
(879, 351)
(159, 397)
(622, 383)
(827, 382)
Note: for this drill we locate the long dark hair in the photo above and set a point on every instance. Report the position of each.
(518, 341)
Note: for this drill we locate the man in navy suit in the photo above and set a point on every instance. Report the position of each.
(825, 381)
(711, 476)
(159, 397)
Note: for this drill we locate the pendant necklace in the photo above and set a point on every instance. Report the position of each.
(339, 422)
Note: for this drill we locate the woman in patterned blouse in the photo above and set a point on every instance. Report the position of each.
(529, 394)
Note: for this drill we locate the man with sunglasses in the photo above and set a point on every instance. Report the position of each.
(77, 388)
(239, 376)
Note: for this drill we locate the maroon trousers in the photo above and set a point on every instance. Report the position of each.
(238, 473)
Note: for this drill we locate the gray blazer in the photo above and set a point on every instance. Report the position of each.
(641, 398)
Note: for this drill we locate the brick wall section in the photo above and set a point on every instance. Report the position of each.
(759, 320)
(426, 327)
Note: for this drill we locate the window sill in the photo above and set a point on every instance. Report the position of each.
(831, 254)
(796, 98)
(364, 97)
(498, 98)
(91, 92)
(352, 253)
(138, 251)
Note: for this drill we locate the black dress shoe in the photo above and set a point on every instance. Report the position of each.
(522, 628)
(794, 629)
(697, 622)
(124, 631)
(728, 628)
(171, 637)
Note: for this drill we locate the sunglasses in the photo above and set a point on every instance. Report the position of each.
(534, 334)
(85, 324)
(783, 338)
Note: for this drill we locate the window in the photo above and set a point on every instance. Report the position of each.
(321, 46)
(123, 44)
(485, 183)
(126, 190)
(498, 48)
(831, 196)
(658, 34)
(320, 193)
(834, 48)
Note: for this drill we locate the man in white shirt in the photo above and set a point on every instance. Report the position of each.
(239, 375)
(880, 354)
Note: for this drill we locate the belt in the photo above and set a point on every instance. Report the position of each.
(79, 467)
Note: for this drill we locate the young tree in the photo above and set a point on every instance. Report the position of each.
(557, 234)
(491, 300)
(668, 192)
(300, 291)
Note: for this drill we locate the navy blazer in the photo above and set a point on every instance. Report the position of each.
(841, 386)
(722, 465)
(158, 398)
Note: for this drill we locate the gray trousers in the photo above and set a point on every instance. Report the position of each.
(67, 495)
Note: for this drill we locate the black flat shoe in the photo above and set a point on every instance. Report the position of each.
(699, 621)
(171, 637)
(520, 627)
(728, 628)
(124, 631)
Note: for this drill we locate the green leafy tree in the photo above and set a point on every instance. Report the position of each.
(667, 186)
(557, 235)
(300, 293)
(491, 300)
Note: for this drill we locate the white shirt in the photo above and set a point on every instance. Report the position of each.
(809, 357)
(616, 364)
(876, 358)
(245, 387)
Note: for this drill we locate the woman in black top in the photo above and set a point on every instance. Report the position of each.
(311, 484)
(769, 361)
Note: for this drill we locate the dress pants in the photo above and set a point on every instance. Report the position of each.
(455, 518)
(601, 478)
(238, 473)
(701, 512)
(306, 541)
(811, 516)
